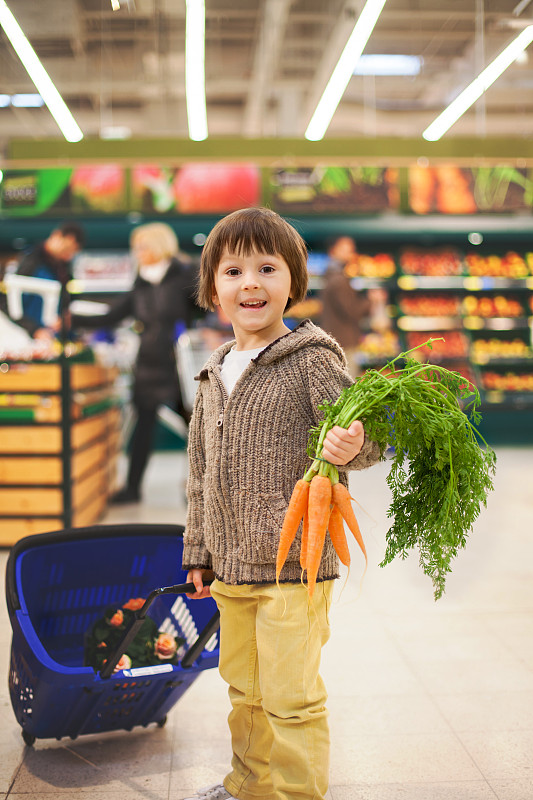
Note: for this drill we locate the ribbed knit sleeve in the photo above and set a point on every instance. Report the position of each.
(327, 378)
(195, 553)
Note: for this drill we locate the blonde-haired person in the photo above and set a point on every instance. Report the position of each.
(161, 298)
(158, 239)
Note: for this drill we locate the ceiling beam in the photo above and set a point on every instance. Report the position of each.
(271, 35)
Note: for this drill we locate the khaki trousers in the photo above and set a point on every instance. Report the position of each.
(270, 644)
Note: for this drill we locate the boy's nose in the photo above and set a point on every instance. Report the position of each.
(250, 281)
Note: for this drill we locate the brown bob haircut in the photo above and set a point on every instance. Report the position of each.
(253, 230)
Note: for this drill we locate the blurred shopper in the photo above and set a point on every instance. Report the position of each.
(50, 260)
(161, 301)
(345, 310)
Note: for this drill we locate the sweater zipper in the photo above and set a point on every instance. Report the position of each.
(225, 396)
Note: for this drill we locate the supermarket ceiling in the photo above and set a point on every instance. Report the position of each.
(266, 65)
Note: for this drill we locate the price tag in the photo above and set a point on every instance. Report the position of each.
(75, 286)
(407, 282)
(473, 284)
(137, 672)
(529, 283)
(494, 397)
(473, 323)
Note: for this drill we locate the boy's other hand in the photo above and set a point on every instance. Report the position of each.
(197, 576)
(341, 445)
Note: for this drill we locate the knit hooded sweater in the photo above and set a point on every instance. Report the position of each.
(247, 451)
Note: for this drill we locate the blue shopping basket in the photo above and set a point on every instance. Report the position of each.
(57, 585)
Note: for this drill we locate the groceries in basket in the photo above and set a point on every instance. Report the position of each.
(151, 646)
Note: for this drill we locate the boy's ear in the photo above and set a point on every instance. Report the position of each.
(214, 298)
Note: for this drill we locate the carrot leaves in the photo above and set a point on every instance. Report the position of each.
(441, 468)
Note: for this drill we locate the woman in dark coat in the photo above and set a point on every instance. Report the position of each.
(161, 297)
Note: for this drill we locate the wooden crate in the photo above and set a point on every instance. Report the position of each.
(19, 439)
(32, 462)
(11, 530)
(31, 501)
(31, 470)
(30, 377)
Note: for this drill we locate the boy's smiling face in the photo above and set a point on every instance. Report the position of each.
(253, 291)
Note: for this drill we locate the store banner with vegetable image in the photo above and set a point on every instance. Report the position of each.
(196, 188)
(100, 188)
(334, 190)
(221, 187)
(449, 189)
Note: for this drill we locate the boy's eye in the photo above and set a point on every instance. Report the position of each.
(267, 268)
(232, 271)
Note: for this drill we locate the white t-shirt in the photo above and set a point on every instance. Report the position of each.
(234, 364)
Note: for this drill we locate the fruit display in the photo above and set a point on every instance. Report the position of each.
(497, 306)
(455, 344)
(310, 307)
(464, 369)
(429, 305)
(431, 263)
(484, 350)
(381, 265)
(511, 265)
(375, 346)
(507, 382)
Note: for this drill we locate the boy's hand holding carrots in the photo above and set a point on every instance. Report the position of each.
(341, 445)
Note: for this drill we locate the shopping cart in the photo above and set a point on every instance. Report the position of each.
(192, 352)
(57, 585)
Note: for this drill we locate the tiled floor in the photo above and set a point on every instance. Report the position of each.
(428, 701)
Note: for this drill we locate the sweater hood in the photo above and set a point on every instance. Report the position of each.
(307, 334)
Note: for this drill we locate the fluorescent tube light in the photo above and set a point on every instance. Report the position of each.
(473, 91)
(343, 71)
(56, 105)
(115, 132)
(195, 69)
(5, 100)
(27, 100)
(388, 65)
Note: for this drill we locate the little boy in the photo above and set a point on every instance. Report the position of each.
(257, 399)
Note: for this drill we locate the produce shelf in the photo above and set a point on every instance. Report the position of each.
(58, 445)
(497, 323)
(407, 323)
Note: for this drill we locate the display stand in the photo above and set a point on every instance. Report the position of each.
(59, 442)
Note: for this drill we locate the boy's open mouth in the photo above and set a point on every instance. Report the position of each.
(253, 304)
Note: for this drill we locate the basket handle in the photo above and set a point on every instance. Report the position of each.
(133, 628)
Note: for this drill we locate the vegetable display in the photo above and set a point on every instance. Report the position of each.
(440, 474)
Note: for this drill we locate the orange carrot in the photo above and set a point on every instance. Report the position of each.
(319, 503)
(305, 535)
(337, 535)
(341, 498)
(293, 515)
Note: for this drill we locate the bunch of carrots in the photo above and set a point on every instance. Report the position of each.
(439, 476)
(322, 504)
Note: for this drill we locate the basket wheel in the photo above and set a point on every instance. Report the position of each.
(162, 722)
(29, 739)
